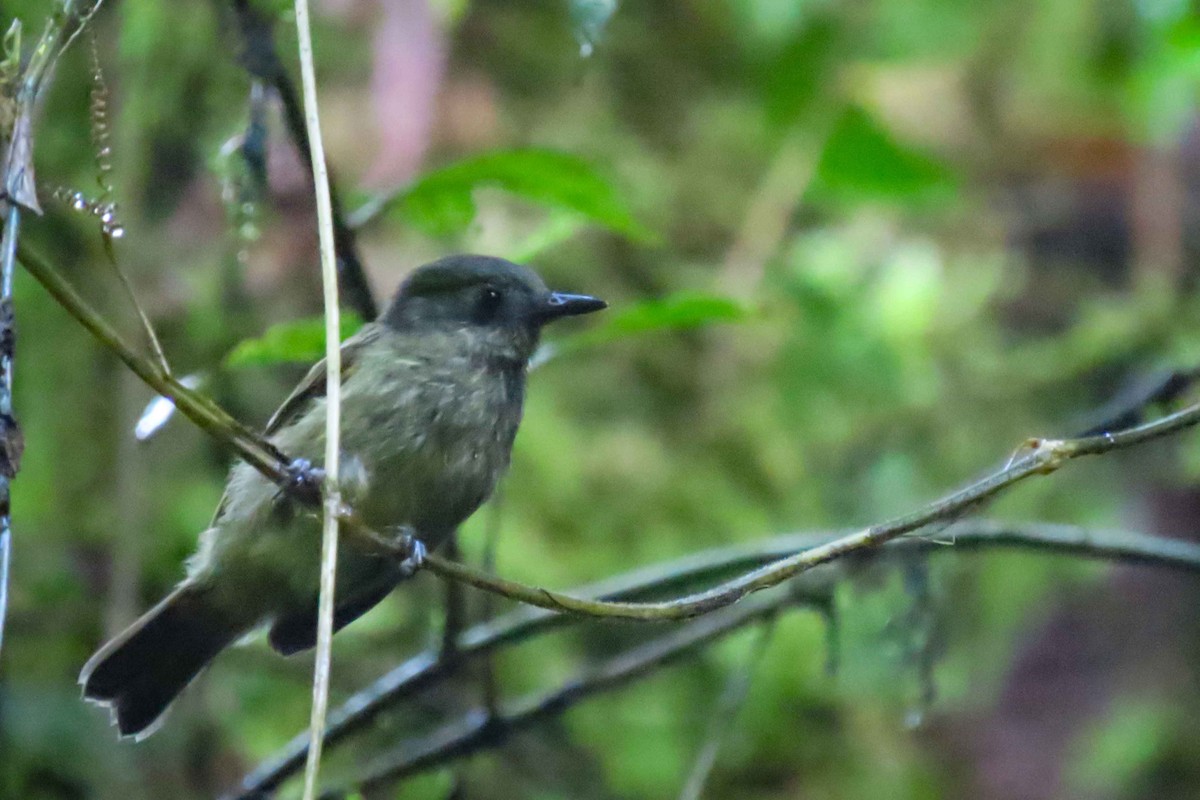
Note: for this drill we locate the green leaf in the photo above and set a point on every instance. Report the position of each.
(442, 201)
(679, 311)
(794, 81)
(298, 341)
(862, 160)
(561, 227)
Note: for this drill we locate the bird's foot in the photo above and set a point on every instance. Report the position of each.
(305, 481)
(411, 548)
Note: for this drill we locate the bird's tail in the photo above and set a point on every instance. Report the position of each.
(143, 669)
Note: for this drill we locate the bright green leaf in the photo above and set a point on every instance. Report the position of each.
(442, 201)
(794, 80)
(298, 341)
(676, 311)
(556, 230)
(862, 160)
(679, 311)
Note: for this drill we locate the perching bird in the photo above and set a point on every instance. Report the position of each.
(431, 398)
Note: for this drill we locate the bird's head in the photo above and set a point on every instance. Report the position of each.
(489, 295)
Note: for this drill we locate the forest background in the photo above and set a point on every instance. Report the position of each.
(855, 253)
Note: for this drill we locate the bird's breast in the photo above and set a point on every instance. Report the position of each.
(433, 451)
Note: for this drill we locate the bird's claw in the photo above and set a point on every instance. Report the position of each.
(305, 481)
(414, 550)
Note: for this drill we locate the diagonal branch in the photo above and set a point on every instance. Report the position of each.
(422, 671)
(733, 696)
(477, 730)
(1041, 457)
(261, 59)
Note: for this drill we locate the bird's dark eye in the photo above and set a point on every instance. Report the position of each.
(488, 304)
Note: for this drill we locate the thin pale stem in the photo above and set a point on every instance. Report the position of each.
(737, 686)
(333, 383)
(156, 348)
(8, 248)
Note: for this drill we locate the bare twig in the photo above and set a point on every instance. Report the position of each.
(491, 542)
(476, 730)
(424, 670)
(206, 414)
(1038, 457)
(455, 603)
(105, 207)
(737, 686)
(11, 441)
(261, 59)
(19, 191)
(1129, 407)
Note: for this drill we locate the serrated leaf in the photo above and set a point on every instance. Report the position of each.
(442, 202)
(297, 341)
(863, 160)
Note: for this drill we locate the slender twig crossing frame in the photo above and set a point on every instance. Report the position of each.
(1034, 458)
(424, 670)
(333, 383)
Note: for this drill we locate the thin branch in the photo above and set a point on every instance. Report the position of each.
(105, 207)
(476, 731)
(455, 602)
(19, 191)
(491, 543)
(1037, 457)
(1040, 457)
(11, 440)
(737, 686)
(156, 348)
(202, 411)
(333, 397)
(422, 671)
(1129, 406)
(261, 59)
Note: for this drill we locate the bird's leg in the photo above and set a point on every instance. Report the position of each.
(305, 481)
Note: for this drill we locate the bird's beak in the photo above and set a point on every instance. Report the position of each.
(560, 305)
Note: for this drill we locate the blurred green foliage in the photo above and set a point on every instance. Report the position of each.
(298, 342)
(441, 201)
(854, 253)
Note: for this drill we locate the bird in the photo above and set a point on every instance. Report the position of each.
(432, 395)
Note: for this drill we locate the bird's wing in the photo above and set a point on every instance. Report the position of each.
(309, 389)
(312, 386)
